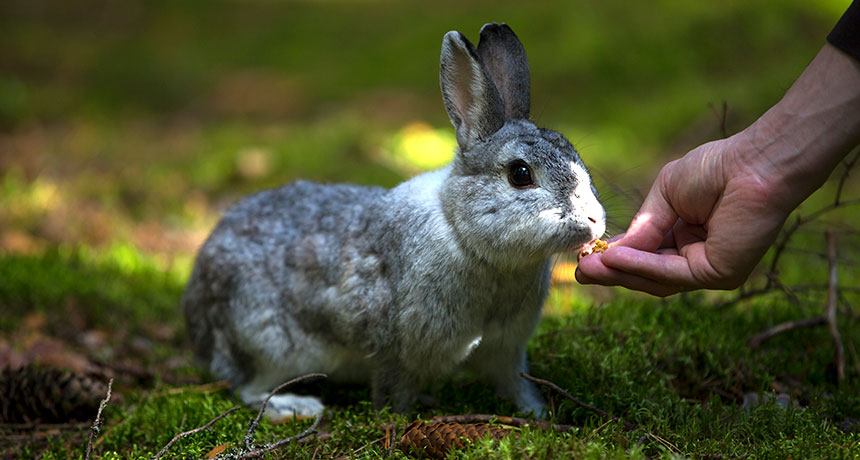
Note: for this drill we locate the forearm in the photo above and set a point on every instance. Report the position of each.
(801, 140)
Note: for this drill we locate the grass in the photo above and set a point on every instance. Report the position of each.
(679, 369)
(125, 129)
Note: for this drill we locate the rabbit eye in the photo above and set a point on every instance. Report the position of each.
(519, 175)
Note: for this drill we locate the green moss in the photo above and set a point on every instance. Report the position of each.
(117, 286)
(679, 369)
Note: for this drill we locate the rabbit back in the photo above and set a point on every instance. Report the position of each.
(283, 279)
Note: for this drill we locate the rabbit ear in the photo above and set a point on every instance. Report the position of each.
(506, 62)
(471, 98)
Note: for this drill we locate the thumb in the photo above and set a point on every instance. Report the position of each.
(655, 219)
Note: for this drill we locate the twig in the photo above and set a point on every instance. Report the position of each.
(195, 430)
(97, 423)
(722, 115)
(743, 296)
(854, 355)
(795, 289)
(832, 296)
(257, 453)
(672, 448)
(502, 420)
(561, 391)
(249, 436)
(596, 430)
(849, 164)
(757, 339)
(210, 387)
(773, 284)
(812, 287)
(250, 451)
(390, 436)
(780, 245)
(717, 455)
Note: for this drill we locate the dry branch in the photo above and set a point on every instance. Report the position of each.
(390, 436)
(257, 453)
(849, 164)
(854, 355)
(249, 436)
(829, 317)
(97, 423)
(561, 391)
(832, 297)
(722, 115)
(759, 338)
(788, 232)
(249, 450)
(195, 430)
(503, 420)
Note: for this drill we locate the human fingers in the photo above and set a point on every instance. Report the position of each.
(591, 271)
(669, 269)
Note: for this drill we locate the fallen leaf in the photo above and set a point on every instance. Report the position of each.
(278, 420)
(217, 450)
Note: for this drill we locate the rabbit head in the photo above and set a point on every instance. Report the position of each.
(516, 193)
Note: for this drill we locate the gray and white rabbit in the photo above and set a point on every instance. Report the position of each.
(398, 287)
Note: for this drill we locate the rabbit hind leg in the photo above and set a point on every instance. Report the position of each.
(252, 386)
(283, 405)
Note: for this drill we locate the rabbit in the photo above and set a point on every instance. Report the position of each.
(397, 287)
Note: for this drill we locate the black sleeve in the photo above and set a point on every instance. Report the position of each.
(846, 34)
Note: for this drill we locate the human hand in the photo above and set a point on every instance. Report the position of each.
(708, 219)
(711, 215)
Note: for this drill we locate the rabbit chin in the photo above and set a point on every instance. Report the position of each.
(529, 249)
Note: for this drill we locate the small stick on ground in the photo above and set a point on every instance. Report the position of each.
(502, 420)
(250, 451)
(832, 297)
(596, 430)
(759, 338)
(561, 391)
(97, 423)
(391, 440)
(195, 430)
(854, 355)
(249, 436)
(672, 448)
(257, 453)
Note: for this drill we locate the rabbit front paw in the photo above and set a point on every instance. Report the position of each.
(288, 405)
(531, 402)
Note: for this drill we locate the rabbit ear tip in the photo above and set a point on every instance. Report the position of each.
(454, 35)
(492, 27)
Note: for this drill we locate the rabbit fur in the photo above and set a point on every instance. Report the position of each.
(398, 287)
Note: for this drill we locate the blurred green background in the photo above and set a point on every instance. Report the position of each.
(135, 123)
(126, 127)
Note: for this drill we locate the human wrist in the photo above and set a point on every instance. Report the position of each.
(796, 144)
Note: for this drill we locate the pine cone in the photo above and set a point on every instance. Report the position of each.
(435, 439)
(48, 395)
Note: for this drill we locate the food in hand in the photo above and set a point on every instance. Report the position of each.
(595, 247)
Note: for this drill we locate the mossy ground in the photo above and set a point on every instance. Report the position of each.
(680, 369)
(126, 128)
